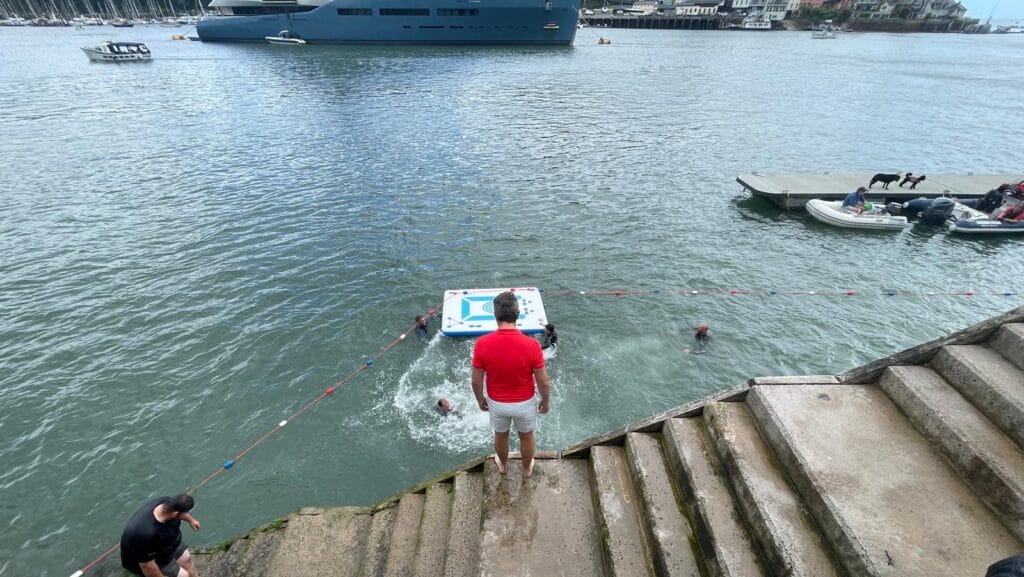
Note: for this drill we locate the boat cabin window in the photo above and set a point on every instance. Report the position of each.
(457, 12)
(355, 11)
(405, 11)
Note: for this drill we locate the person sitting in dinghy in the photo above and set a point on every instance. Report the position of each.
(854, 202)
(1013, 214)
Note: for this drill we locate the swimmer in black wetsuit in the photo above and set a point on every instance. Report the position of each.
(550, 337)
(700, 340)
(421, 328)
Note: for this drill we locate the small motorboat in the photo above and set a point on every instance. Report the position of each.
(971, 221)
(118, 52)
(833, 213)
(284, 37)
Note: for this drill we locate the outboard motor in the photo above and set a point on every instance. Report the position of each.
(894, 208)
(938, 211)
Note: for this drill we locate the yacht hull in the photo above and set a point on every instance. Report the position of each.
(501, 22)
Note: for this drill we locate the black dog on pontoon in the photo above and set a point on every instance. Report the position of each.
(885, 179)
(913, 180)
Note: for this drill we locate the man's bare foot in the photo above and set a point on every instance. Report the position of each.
(501, 466)
(528, 468)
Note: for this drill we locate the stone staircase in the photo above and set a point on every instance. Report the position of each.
(899, 469)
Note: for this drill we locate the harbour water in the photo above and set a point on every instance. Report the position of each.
(195, 247)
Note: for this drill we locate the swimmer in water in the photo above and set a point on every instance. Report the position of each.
(421, 328)
(444, 406)
(701, 339)
(550, 339)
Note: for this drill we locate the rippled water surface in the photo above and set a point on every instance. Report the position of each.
(195, 247)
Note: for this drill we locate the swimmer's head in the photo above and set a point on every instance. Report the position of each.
(420, 320)
(549, 328)
(444, 405)
(702, 328)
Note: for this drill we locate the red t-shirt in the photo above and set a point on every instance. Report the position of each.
(508, 358)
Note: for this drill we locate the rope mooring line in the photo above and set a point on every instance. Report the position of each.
(368, 363)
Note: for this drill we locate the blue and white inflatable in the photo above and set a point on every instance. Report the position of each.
(470, 312)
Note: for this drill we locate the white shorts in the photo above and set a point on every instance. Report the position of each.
(523, 414)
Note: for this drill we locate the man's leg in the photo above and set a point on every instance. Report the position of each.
(527, 447)
(188, 567)
(501, 446)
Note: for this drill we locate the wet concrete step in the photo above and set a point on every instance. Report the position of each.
(378, 542)
(989, 381)
(889, 503)
(987, 459)
(544, 525)
(321, 543)
(405, 536)
(434, 531)
(463, 556)
(248, 555)
(725, 545)
(618, 512)
(671, 537)
(777, 520)
(1009, 342)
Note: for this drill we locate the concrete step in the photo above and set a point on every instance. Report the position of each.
(778, 522)
(375, 551)
(889, 503)
(618, 512)
(990, 462)
(248, 555)
(463, 556)
(1009, 342)
(724, 542)
(672, 539)
(989, 381)
(544, 525)
(321, 543)
(434, 531)
(405, 536)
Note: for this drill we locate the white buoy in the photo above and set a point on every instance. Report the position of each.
(77, 573)
(401, 337)
(282, 423)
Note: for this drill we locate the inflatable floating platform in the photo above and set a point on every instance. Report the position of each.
(470, 312)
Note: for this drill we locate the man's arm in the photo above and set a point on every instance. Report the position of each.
(150, 569)
(544, 385)
(478, 388)
(192, 521)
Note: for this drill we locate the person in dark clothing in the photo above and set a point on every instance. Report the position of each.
(1009, 567)
(151, 543)
(701, 338)
(550, 337)
(421, 328)
(993, 199)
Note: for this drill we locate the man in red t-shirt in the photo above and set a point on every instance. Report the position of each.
(511, 362)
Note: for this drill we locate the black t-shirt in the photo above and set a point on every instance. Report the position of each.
(145, 539)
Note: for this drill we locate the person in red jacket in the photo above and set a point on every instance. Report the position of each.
(512, 366)
(1013, 214)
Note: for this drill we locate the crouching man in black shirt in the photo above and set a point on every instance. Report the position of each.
(151, 542)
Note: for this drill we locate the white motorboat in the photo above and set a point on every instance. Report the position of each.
(833, 213)
(284, 37)
(118, 52)
(825, 32)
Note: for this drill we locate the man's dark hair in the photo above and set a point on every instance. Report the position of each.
(506, 308)
(419, 318)
(181, 503)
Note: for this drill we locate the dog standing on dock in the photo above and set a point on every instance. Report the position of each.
(885, 179)
(913, 180)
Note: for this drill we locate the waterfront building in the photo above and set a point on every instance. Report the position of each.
(768, 9)
(698, 7)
